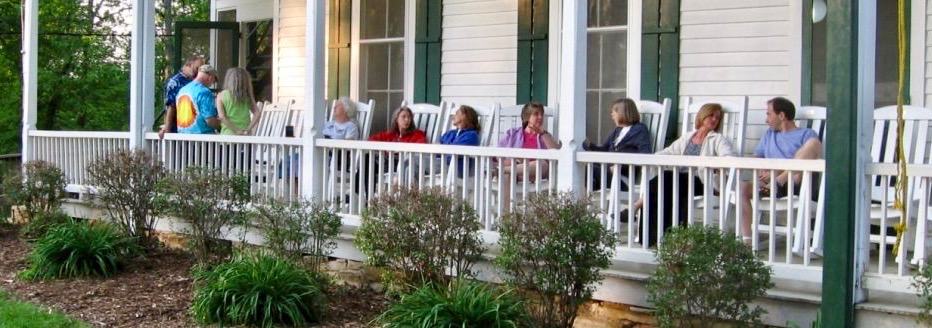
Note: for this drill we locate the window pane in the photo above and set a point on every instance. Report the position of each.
(593, 17)
(396, 77)
(380, 114)
(396, 18)
(372, 15)
(613, 13)
(593, 67)
(886, 71)
(614, 60)
(593, 107)
(373, 60)
(819, 91)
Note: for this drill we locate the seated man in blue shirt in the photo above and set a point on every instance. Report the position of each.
(194, 105)
(782, 140)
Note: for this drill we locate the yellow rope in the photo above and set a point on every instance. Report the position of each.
(901, 180)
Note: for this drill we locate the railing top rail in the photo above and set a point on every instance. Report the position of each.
(545, 154)
(228, 139)
(816, 165)
(913, 170)
(80, 134)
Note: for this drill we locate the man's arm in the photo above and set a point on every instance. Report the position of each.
(169, 120)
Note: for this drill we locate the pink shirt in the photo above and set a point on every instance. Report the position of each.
(530, 140)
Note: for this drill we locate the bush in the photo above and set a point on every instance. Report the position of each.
(258, 290)
(207, 201)
(80, 250)
(555, 248)
(126, 183)
(922, 281)
(40, 192)
(7, 171)
(462, 304)
(42, 222)
(419, 234)
(288, 226)
(705, 276)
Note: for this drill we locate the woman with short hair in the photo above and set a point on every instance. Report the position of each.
(629, 136)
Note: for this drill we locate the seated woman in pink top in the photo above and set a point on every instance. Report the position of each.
(531, 135)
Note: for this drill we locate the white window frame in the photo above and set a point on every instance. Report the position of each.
(408, 46)
(633, 78)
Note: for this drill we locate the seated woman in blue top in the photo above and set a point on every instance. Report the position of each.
(629, 136)
(465, 132)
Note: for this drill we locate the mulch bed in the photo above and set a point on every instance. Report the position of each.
(153, 292)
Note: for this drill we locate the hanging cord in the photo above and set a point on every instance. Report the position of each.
(900, 194)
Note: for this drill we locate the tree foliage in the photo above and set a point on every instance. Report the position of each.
(83, 64)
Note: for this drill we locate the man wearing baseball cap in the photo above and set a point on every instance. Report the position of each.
(194, 105)
(172, 86)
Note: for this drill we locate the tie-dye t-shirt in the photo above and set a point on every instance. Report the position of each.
(193, 106)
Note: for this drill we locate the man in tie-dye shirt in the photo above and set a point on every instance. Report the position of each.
(194, 106)
(172, 86)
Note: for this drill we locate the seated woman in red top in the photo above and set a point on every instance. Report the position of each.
(402, 130)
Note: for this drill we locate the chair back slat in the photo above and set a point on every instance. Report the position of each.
(883, 147)
(655, 116)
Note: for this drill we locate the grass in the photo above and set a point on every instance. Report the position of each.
(80, 249)
(24, 315)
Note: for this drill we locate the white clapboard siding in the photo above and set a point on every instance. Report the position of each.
(480, 51)
(290, 52)
(733, 48)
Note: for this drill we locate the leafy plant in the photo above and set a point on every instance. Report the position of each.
(294, 227)
(7, 171)
(42, 222)
(126, 185)
(922, 281)
(80, 250)
(555, 248)
(704, 277)
(207, 201)
(461, 304)
(258, 290)
(419, 234)
(38, 190)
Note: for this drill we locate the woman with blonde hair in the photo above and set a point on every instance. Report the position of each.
(236, 102)
(706, 140)
(629, 136)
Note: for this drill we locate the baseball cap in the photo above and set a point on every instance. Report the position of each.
(207, 68)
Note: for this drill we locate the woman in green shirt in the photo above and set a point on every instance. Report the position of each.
(236, 102)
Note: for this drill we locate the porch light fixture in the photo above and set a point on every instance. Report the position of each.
(818, 11)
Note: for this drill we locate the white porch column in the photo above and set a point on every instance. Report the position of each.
(572, 116)
(142, 73)
(312, 162)
(30, 66)
(867, 43)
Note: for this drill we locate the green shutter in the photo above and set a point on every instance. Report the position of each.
(427, 45)
(533, 24)
(660, 55)
(338, 50)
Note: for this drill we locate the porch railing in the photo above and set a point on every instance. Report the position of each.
(786, 232)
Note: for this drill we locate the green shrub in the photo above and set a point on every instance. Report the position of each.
(554, 246)
(208, 202)
(258, 290)
(80, 250)
(42, 222)
(705, 277)
(40, 191)
(7, 171)
(126, 185)
(462, 304)
(417, 235)
(922, 281)
(293, 228)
